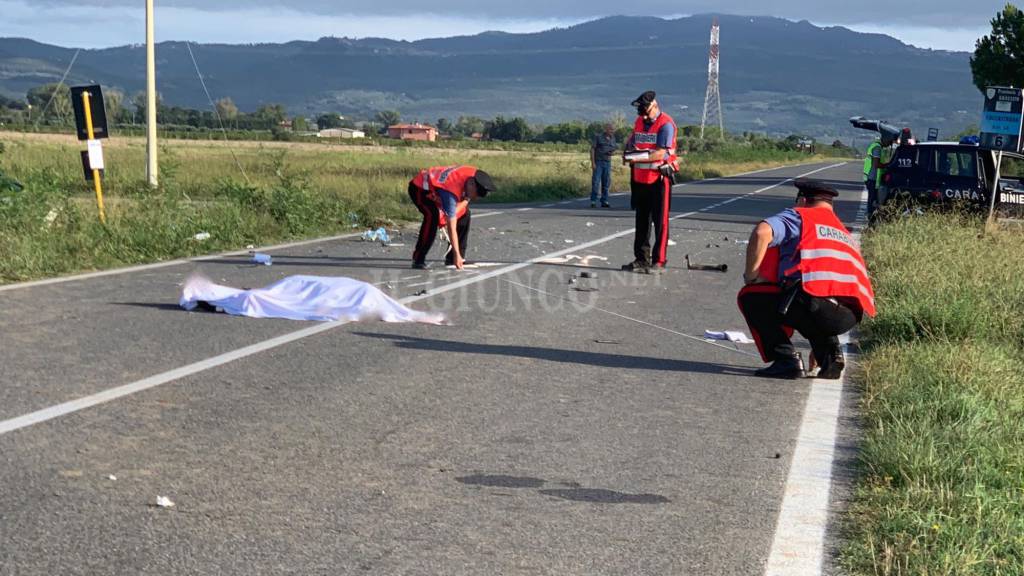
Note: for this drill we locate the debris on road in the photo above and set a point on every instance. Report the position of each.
(378, 235)
(590, 224)
(584, 260)
(164, 502)
(588, 274)
(671, 242)
(112, 477)
(607, 342)
(715, 267)
(421, 293)
(728, 335)
(259, 258)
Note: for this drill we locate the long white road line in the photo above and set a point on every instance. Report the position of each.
(799, 544)
(73, 406)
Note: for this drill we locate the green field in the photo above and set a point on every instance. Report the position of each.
(943, 403)
(252, 193)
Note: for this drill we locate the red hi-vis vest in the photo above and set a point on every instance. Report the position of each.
(451, 179)
(830, 263)
(647, 139)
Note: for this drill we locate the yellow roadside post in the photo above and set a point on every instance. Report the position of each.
(94, 144)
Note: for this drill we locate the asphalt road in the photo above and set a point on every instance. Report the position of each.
(549, 430)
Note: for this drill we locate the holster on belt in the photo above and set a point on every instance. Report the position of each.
(790, 290)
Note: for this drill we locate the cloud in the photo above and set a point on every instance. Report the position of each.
(104, 23)
(943, 14)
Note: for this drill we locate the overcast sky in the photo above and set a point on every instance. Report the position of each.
(941, 24)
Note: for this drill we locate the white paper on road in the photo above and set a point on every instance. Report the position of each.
(319, 298)
(730, 335)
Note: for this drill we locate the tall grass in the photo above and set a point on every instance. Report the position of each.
(943, 455)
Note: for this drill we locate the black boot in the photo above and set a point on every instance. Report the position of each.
(832, 367)
(639, 266)
(784, 367)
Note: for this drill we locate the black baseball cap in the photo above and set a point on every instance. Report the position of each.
(484, 184)
(644, 100)
(814, 189)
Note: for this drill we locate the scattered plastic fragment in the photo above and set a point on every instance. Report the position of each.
(671, 242)
(590, 224)
(201, 236)
(164, 502)
(730, 335)
(260, 258)
(111, 477)
(378, 235)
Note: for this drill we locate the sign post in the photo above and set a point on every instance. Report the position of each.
(90, 131)
(1001, 124)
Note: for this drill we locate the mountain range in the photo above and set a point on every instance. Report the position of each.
(777, 76)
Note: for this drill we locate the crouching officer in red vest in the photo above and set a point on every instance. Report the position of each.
(804, 272)
(442, 194)
(651, 151)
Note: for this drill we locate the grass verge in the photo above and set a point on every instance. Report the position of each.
(943, 456)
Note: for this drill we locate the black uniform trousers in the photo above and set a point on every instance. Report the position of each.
(652, 203)
(428, 229)
(820, 320)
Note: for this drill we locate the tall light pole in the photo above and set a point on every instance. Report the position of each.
(151, 164)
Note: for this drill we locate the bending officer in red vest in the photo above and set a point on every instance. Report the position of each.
(442, 194)
(805, 272)
(651, 151)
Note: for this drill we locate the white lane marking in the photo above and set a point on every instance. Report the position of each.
(486, 214)
(523, 209)
(799, 543)
(144, 267)
(70, 407)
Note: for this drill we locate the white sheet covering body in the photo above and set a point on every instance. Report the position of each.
(319, 298)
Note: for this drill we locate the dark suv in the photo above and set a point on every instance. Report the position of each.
(949, 173)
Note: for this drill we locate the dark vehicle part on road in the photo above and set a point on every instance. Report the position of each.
(713, 267)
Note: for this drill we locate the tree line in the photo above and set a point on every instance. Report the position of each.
(51, 105)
